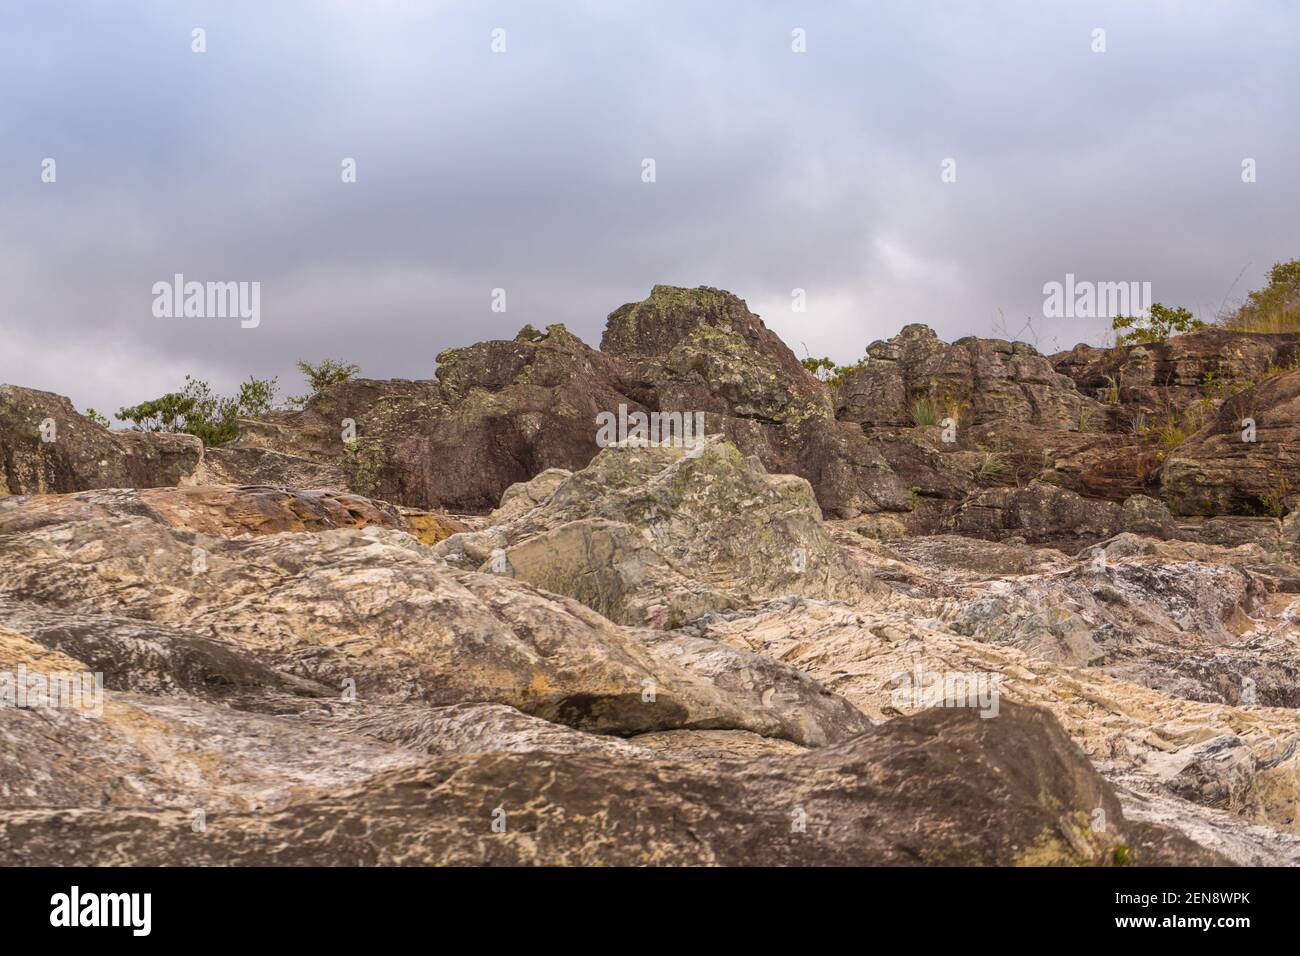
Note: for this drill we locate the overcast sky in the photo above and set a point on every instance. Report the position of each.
(522, 170)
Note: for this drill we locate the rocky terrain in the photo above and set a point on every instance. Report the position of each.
(967, 604)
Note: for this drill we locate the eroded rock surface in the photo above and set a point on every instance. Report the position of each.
(970, 605)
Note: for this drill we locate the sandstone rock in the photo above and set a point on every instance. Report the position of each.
(1173, 373)
(368, 609)
(943, 788)
(238, 465)
(1147, 516)
(1040, 513)
(974, 380)
(208, 509)
(659, 536)
(82, 455)
(524, 496)
(1215, 472)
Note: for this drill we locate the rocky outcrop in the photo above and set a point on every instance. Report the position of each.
(226, 511)
(1040, 514)
(1060, 627)
(942, 788)
(47, 446)
(915, 379)
(1184, 369)
(658, 536)
(1230, 468)
(499, 413)
(368, 611)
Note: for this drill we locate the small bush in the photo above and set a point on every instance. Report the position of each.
(97, 418)
(322, 375)
(1274, 308)
(830, 373)
(926, 411)
(197, 410)
(1162, 323)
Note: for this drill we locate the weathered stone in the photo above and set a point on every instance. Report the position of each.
(945, 787)
(659, 536)
(1040, 513)
(81, 455)
(1216, 472)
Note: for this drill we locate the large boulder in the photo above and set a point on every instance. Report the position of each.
(656, 535)
(499, 413)
(80, 454)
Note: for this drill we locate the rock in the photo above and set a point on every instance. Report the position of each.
(1040, 513)
(81, 455)
(238, 465)
(524, 496)
(1216, 473)
(1147, 516)
(703, 350)
(881, 528)
(659, 536)
(946, 787)
(370, 610)
(208, 509)
(974, 381)
(1173, 373)
(1218, 773)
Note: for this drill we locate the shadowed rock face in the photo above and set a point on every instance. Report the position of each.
(1217, 472)
(943, 788)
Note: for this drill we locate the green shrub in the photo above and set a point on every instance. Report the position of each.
(322, 375)
(97, 418)
(197, 410)
(1274, 308)
(1162, 323)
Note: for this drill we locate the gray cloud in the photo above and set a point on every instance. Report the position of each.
(522, 171)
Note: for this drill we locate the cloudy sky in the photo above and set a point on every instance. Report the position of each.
(522, 170)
